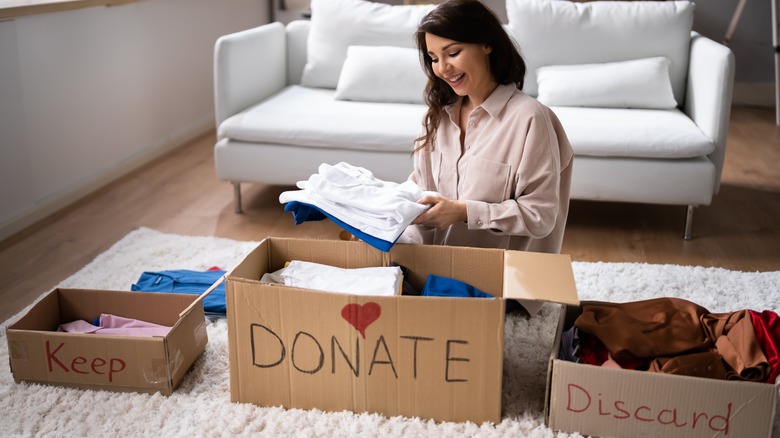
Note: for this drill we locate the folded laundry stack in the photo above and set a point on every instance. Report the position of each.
(374, 281)
(375, 211)
(381, 281)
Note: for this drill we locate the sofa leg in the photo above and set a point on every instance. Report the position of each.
(237, 196)
(689, 223)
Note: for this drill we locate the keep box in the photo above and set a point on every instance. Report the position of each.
(40, 354)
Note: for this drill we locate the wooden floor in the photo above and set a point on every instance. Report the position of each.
(181, 194)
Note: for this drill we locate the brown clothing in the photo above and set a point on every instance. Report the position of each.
(735, 340)
(646, 329)
(707, 364)
(678, 337)
(513, 170)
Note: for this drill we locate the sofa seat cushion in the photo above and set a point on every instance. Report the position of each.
(637, 133)
(312, 117)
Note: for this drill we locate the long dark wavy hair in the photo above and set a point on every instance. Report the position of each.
(464, 21)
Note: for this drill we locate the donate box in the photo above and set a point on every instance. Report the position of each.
(429, 357)
(599, 401)
(40, 354)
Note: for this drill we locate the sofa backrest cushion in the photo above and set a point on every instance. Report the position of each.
(639, 83)
(338, 24)
(382, 74)
(552, 32)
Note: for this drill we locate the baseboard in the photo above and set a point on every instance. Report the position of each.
(73, 194)
(754, 93)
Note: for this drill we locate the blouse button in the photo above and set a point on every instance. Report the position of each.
(479, 223)
(472, 123)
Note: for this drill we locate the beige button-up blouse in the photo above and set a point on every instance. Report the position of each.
(513, 170)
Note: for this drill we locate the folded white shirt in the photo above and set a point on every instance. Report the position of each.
(353, 195)
(382, 281)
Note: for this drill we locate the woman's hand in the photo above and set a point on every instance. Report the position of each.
(443, 212)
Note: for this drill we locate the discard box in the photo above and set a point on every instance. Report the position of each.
(600, 401)
(40, 354)
(428, 357)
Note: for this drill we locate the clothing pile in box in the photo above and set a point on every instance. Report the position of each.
(181, 281)
(108, 324)
(377, 281)
(675, 336)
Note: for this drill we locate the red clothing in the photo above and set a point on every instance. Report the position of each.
(767, 330)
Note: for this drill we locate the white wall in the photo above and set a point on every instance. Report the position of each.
(89, 94)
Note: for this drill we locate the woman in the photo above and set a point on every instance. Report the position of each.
(499, 159)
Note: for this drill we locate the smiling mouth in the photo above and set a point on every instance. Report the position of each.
(455, 79)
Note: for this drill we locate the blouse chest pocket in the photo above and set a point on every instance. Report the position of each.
(485, 180)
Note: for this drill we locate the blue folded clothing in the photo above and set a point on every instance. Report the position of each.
(182, 281)
(303, 212)
(438, 286)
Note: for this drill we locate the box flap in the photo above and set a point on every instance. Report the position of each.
(539, 277)
(338, 253)
(479, 267)
(254, 265)
(43, 315)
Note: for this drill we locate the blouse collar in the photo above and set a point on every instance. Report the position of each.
(493, 105)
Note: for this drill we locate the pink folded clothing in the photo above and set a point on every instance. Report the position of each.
(116, 325)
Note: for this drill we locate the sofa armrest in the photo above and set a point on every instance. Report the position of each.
(708, 93)
(249, 66)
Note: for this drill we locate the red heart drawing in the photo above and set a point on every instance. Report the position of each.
(361, 316)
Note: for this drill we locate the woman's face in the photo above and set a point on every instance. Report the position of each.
(463, 66)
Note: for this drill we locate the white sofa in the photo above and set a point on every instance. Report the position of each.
(645, 101)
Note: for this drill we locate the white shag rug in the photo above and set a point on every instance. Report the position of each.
(201, 405)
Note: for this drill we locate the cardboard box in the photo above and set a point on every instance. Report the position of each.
(40, 354)
(601, 401)
(428, 357)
